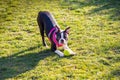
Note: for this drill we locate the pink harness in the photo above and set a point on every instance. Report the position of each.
(54, 36)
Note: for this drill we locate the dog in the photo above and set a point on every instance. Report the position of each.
(58, 38)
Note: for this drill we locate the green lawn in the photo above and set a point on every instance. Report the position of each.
(94, 37)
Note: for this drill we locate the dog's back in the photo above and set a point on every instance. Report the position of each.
(46, 21)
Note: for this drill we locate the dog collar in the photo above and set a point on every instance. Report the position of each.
(54, 30)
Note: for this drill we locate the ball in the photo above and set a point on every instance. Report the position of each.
(66, 53)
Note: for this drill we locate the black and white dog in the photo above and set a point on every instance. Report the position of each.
(58, 37)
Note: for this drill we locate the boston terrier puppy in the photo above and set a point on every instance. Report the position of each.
(57, 37)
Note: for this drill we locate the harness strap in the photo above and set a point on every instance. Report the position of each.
(51, 31)
(54, 30)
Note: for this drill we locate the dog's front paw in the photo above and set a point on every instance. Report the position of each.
(59, 53)
(71, 52)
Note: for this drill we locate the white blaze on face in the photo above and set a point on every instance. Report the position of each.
(62, 38)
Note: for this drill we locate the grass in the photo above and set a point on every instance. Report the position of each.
(94, 36)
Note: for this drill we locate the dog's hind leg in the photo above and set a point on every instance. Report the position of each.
(41, 28)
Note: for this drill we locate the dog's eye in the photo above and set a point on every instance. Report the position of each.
(65, 37)
(58, 37)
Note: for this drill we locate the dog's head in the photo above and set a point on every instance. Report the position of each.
(62, 36)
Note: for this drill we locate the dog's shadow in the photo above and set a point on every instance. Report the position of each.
(21, 62)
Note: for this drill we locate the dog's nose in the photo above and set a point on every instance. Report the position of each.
(62, 41)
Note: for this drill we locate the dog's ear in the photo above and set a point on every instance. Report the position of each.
(57, 29)
(67, 30)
